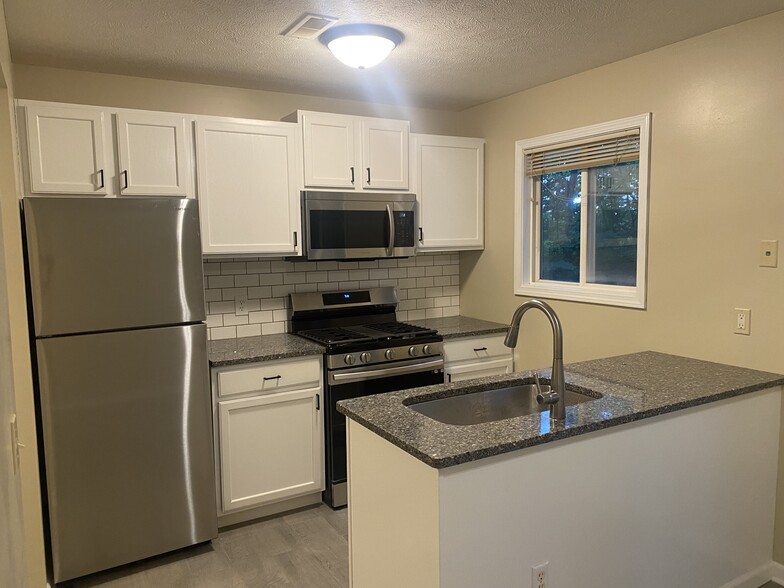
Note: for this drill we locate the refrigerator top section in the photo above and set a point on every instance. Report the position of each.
(107, 264)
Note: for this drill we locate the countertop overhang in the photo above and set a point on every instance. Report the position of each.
(634, 387)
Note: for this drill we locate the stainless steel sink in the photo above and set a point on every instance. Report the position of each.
(491, 405)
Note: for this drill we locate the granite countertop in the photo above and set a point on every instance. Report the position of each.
(262, 348)
(634, 387)
(454, 327)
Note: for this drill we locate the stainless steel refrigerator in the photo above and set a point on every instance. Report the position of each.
(120, 345)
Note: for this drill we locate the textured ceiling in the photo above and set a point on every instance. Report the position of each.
(457, 53)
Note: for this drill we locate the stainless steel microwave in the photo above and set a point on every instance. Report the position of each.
(341, 225)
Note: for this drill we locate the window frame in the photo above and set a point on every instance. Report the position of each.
(526, 247)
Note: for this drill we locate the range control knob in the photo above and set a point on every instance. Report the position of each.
(427, 350)
(413, 351)
(365, 357)
(389, 354)
(349, 359)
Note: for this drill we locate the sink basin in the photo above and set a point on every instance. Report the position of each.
(491, 405)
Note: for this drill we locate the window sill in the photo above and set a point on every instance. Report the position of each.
(623, 296)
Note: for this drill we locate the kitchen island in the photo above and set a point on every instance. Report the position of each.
(668, 479)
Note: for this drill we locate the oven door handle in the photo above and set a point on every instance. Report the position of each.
(375, 373)
(391, 218)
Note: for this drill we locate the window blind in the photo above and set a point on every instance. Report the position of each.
(594, 152)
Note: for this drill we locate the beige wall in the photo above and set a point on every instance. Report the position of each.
(717, 151)
(80, 87)
(17, 311)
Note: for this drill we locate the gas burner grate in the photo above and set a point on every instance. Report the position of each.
(395, 329)
(332, 336)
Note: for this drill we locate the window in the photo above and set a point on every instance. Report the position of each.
(580, 220)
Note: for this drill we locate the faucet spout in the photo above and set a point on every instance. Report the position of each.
(558, 409)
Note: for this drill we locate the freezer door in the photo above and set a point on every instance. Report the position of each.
(103, 264)
(127, 431)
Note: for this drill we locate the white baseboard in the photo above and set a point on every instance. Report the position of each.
(777, 573)
(756, 578)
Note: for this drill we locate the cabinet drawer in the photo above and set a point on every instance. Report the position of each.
(272, 376)
(474, 348)
(481, 369)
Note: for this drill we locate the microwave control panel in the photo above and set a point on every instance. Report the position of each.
(404, 229)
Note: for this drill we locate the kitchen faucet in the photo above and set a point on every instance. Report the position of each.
(557, 397)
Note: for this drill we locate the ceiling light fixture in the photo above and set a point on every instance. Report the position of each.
(361, 45)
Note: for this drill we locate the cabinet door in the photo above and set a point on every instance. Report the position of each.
(66, 150)
(384, 154)
(247, 179)
(329, 155)
(271, 448)
(155, 154)
(481, 369)
(449, 182)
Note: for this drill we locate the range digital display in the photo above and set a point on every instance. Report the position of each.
(333, 298)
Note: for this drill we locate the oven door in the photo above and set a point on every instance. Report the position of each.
(364, 381)
(356, 226)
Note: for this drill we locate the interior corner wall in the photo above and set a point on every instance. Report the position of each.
(118, 91)
(716, 154)
(32, 521)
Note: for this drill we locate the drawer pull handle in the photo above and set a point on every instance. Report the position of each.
(101, 185)
(267, 378)
(480, 348)
(352, 174)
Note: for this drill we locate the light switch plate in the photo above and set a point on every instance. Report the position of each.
(769, 254)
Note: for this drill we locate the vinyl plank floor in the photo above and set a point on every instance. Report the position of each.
(302, 549)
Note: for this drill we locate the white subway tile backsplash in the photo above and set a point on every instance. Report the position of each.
(271, 279)
(232, 319)
(221, 281)
(273, 328)
(248, 330)
(233, 267)
(245, 280)
(262, 316)
(259, 267)
(295, 278)
(223, 333)
(428, 287)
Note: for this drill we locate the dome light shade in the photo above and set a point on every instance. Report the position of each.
(361, 45)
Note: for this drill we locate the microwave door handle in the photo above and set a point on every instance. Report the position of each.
(391, 218)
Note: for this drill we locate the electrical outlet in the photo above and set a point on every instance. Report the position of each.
(742, 321)
(241, 304)
(539, 575)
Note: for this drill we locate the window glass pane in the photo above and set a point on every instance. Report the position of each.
(559, 257)
(612, 224)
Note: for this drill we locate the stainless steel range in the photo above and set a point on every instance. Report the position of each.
(366, 352)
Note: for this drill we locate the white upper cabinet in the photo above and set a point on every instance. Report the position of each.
(329, 153)
(384, 153)
(65, 150)
(155, 154)
(248, 186)
(449, 182)
(354, 153)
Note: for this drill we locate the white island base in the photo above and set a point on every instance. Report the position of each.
(682, 500)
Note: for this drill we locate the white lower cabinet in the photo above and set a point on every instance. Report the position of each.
(477, 357)
(269, 437)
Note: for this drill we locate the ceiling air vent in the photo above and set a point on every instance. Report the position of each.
(309, 26)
